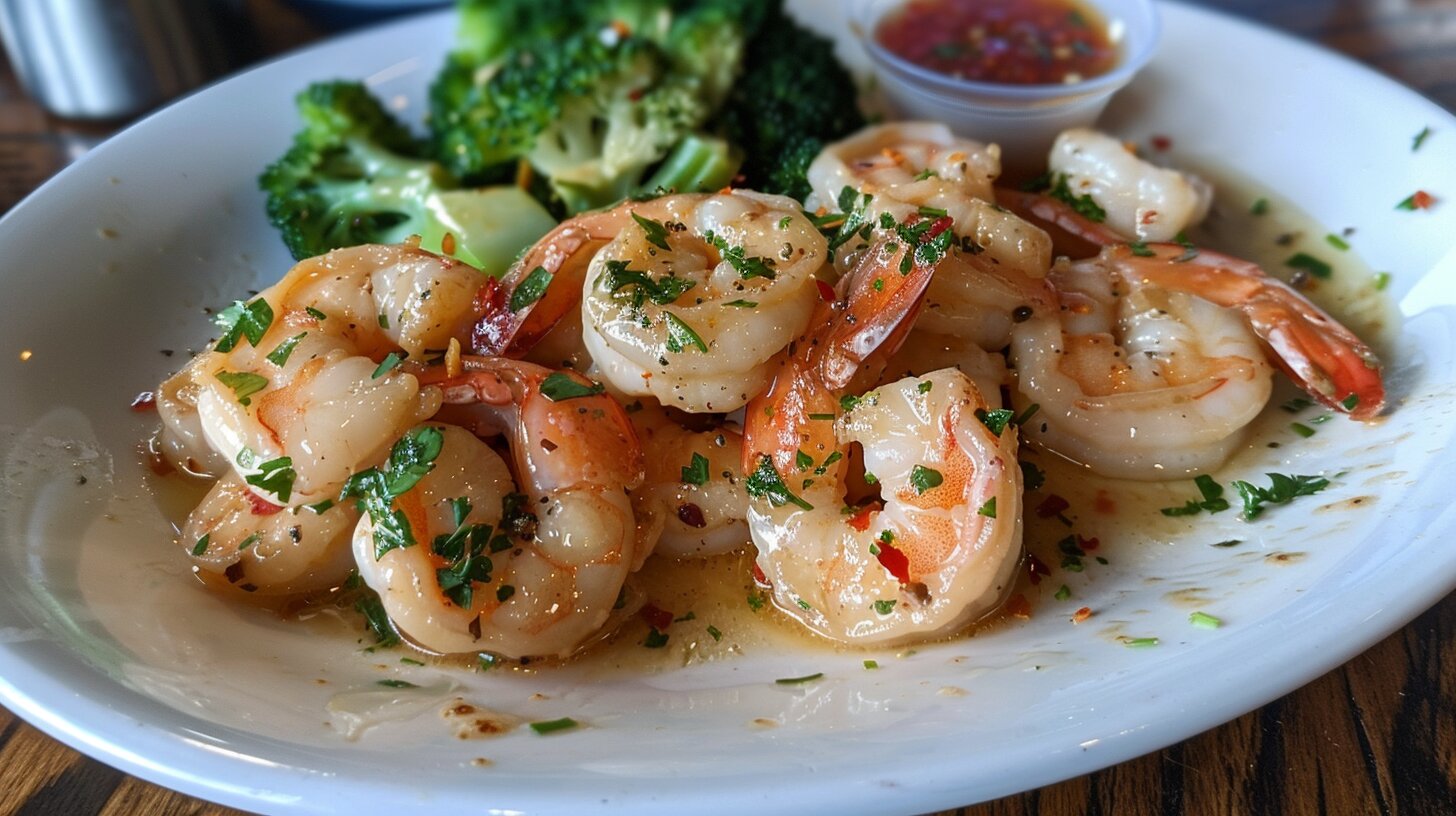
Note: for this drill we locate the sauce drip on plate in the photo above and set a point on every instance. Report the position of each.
(1014, 42)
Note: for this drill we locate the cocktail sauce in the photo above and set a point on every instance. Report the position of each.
(1016, 42)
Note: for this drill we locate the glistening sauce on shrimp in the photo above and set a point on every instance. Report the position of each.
(1014, 42)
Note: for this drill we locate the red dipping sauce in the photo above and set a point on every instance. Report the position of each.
(1013, 42)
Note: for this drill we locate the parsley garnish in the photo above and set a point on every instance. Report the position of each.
(1259, 207)
(765, 483)
(244, 384)
(988, 509)
(390, 360)
(399, 684)
(531, 289)
(696, 473)
(1420, 139)
(643, 288)
(925, 174)
(1083, 205)
(1337, 242)
(241, 320)
(560, 386)
(742, 304)
(1203, 620)
(755, 601)
(654, 230)
(996, 420)
(1310, 264)
(1064, 593)
(1141, 250)
(884, 607)
(924, 478)
(655, 639)
(551, 726)
(279, 356)
(1032, 476)
(1213, 500)
(748, 267)
(315, 313)
(376, 619)
(410, 459)
(855, 209)
(275, 476)
(714, 632)
(1351, 402)
(793, 681)
(1282, 489)
(680, 335)
(201, 546)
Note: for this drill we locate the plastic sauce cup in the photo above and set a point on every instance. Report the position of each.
(1023, 119)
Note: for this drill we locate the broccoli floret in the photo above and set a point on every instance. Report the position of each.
(595, 109)
(792, 98)
(354, 175)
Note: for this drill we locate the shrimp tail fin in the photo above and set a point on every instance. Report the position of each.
(1073, 234)
(883, 294)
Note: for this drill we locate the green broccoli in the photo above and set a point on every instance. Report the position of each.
(594, 96)
(355, 175)
(792, 98)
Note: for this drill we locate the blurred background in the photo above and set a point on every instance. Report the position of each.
(79, 70)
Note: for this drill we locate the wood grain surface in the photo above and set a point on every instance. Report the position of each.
(1376, 736)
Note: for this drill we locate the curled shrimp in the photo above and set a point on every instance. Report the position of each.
(243, 544)
(908, 168)
(1134, 200)
(692, 310)
(940, 546)
(556, 557)
(310, 389)
(1156, 365)
(693, 483)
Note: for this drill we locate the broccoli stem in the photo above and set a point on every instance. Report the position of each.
(699, 164)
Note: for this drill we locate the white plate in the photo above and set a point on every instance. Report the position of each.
(105, 644)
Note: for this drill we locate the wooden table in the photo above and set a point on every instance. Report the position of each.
(1377, 735)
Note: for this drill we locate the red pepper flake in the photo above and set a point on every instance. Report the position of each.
(1104, 504)
(1082, 614)
(1052, 505)
(261, 506)
(940, 225)
(860, 520)
(1088, 544)
(895, 562)
(1037, 568)
(825, 291)
(143, 402)
(691, 515)
(1419, 200)
(1161, 142)
(1019, 606)
(759, 577)
(656, 617)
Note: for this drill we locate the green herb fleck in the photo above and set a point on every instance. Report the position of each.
(552, 726)
(988, 509)
(1282, 489)
(244, 384)
(389, 362)
(1139, 643)
(399, 684)
(884, 607)
(1203, 620)
(238, 321)
(1337, 242)
(655, 639)
(1141, 250)
(1420, 139)
(696, 473)
(275, 476)
(560, 386)
(680, 335)
(315, 313)
(1301, 429)
(530, 290)
(794, 681)
(742, 304)
(923, 478)
(202, 544)
(871, 664)
(715, 633)
(654, 230)
(279, 356)
(765, 483)
(1063, 594)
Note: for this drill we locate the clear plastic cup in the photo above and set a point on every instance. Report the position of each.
(1023, 119)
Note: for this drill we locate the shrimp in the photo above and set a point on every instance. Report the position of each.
(693, 484)
(942, 545)
(693, 309)
(240, 543)
(1133, 199)
(308, 391)
(907, 168)
(1157, 364)
(551, 559)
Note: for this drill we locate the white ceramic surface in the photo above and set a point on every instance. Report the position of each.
(106, 644)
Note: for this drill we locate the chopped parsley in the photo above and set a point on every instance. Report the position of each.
(755, 601)
(389, 362)
(856, 219)
(1337, 242)
(201, 546)
(681, 336)
(715, 633)
(742, 304)
(1212, 501)
(1351, 402)
(244, 384)
(1141, 250)
(923, 478)
(871, 664)
(1381, 281)
(988, 509)
(1301, 429)
(794, 681)
(748, 267)
(696, 473)
(410, 459)
(1083, 205)
(552, 726)
(1064, 593)
(1420, 139)
(530, 290)
(884, 607)
(376, 619)
(239, 321)
(655, 639)
(1032, 476)
(1308, 263)
(1139, 643)
(560, 386)
(1259, 207)
(924, 388)
(1282, 489)
(996, 420)
(279, 356)
(655, 232)
(641, 286)
(765, 483)
(399, 684)
(275, 476)
(315, 313)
